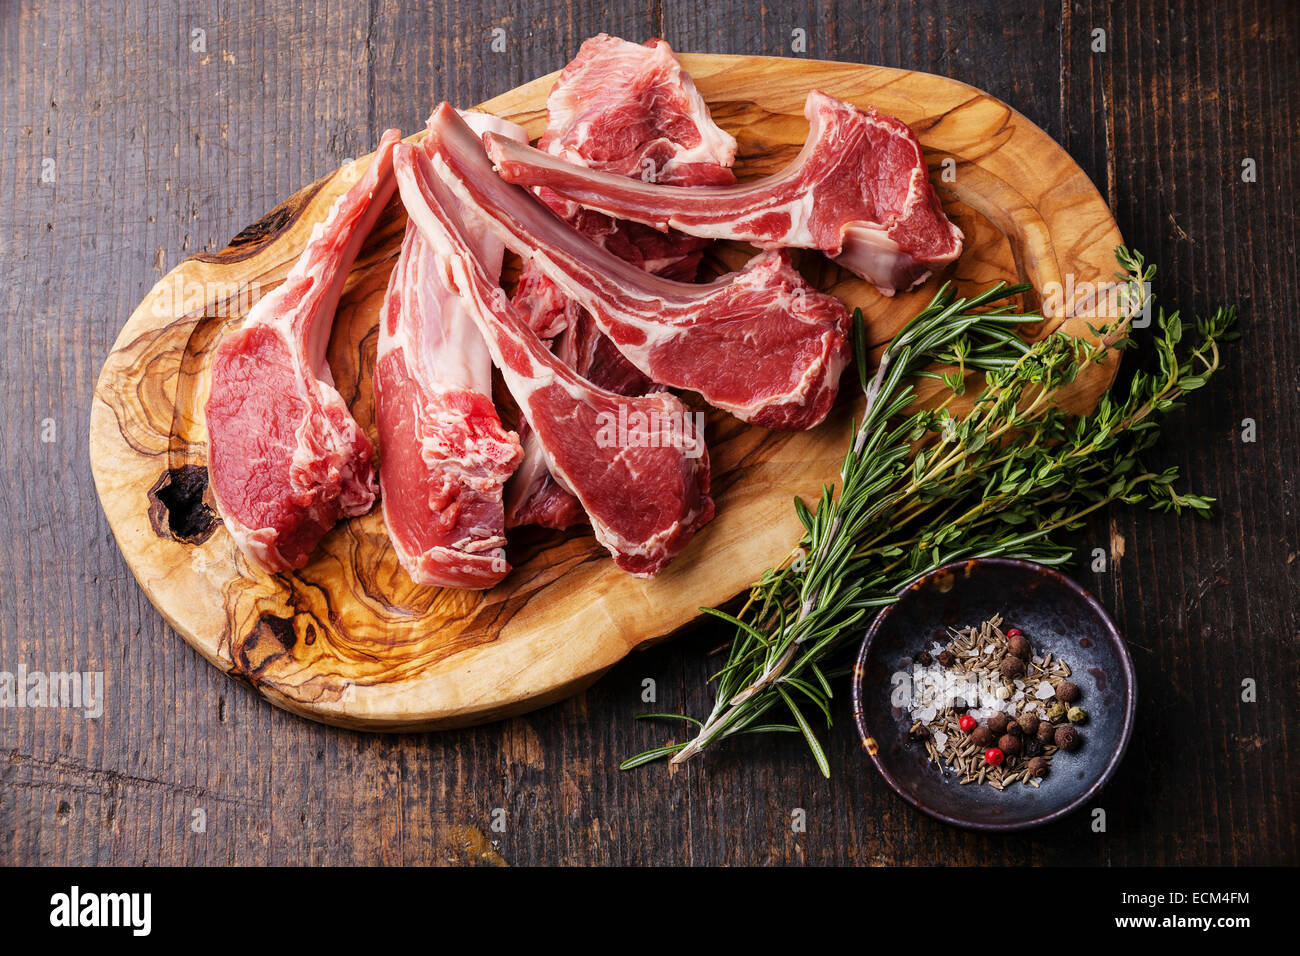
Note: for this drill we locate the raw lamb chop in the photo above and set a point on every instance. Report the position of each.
(760, 343)
(637, 465)
(445, 455)
(629, 109)
(286, 459)
(859, 191)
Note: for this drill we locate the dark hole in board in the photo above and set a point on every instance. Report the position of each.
(280, 628)
(271, 638)
(176, 506)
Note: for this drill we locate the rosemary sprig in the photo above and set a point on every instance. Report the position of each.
(920, 489)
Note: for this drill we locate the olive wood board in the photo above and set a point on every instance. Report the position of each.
(349, 639)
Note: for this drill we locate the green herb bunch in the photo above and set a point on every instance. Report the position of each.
(921, 488)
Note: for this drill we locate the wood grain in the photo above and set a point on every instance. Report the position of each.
(348, 639)
(163, 152)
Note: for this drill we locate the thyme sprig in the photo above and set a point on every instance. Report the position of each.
(921, 488)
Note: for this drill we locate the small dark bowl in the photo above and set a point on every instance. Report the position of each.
(1057, 616)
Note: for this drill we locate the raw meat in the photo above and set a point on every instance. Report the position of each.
(444, 453)
(671, 254)
(286, 459)
(545, 307)
(859, 191)
(637, 464)
(760, 343)
(630, 109)
(532, 496)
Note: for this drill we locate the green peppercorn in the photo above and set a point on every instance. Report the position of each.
(1076, 715)
(1056, 711)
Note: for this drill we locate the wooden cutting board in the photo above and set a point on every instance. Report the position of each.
(349, 640)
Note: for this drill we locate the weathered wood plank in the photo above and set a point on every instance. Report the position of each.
(159, 155)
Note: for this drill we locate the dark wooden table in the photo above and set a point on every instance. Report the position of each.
(134, 137)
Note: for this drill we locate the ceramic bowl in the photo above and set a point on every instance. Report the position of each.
(1057, 615)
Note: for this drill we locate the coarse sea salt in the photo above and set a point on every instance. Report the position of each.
(1044, 691)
